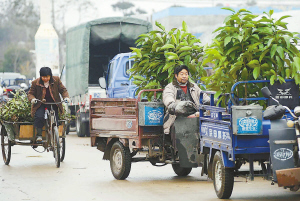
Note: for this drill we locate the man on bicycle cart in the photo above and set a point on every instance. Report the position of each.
(46, 89)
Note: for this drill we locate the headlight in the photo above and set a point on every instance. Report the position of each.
(297, 111)
(290, 123)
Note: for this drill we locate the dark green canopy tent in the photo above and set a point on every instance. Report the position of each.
(91, 45)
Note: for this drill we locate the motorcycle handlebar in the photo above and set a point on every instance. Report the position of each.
(48, 103)
(288, 109)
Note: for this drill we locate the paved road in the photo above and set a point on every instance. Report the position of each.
(85, 176)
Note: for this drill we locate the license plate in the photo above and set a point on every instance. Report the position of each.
(97, 95)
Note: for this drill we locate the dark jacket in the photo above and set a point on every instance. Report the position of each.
(169, 96)
(38, 91)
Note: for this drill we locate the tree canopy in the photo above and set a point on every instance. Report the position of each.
(159, 52)
(249, 47)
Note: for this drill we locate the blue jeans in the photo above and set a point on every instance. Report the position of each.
(39, 120)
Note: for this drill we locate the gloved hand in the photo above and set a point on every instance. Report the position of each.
(44, 100)
(34, 101)
(171, 108)
(185, 108)
(67, 100)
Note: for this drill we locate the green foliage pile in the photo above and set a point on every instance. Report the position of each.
(159, 52)
(66, 115)
(248, 48)
(17, 109)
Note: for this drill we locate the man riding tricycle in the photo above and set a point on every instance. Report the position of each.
(218, 139)
(121, 128)
(46, 131)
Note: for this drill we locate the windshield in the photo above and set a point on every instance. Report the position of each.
(111, 71)
(128, 66)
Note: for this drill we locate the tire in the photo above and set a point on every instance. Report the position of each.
(120, 161)
(180, 171)
(223, 178)
(82, 126)
(62, 142)
(87, 128)
(56, 146)
(67, 129)
(5, 146)
(79, 126)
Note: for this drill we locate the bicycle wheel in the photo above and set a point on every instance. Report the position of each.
(6, 146)
(56, 146)
(62, 142)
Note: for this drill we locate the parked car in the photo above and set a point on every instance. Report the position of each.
(8, 92)
(2, 96)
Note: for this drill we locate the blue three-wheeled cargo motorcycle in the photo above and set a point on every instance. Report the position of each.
(245, 134)
(220, 140)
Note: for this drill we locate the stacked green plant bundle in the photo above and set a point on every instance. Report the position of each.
(249, 47)
(66, 115)
(17, 109)
(159, 52)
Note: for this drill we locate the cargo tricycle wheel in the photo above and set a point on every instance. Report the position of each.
(223, 178)
(62, 142)
(180, 171)
(120, 161)
(5, 146)
(56, 146)
(67, 129)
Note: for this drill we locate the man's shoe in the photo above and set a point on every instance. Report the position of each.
(39, 139)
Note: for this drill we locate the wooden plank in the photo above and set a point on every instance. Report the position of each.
(121, 134)
(114, 124)
(105, 133)
(113, 102)
(109, 106)
(26, 131)
(114, 135)
(97, 131)
(112, 99)
(113, 110)
(113, 116)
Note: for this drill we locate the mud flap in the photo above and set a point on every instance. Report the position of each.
(282, 141)
(288, 177)
(187, 142)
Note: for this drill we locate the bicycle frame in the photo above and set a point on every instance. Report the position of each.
(50, 119)
(50, 123)
(52, 136)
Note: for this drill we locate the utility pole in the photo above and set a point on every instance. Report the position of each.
(53, 16)
(46, 41)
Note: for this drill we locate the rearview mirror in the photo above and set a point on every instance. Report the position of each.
(266, 92)
(102, 82)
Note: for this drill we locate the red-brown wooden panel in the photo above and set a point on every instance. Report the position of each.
(113, 110)
(114, 124)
